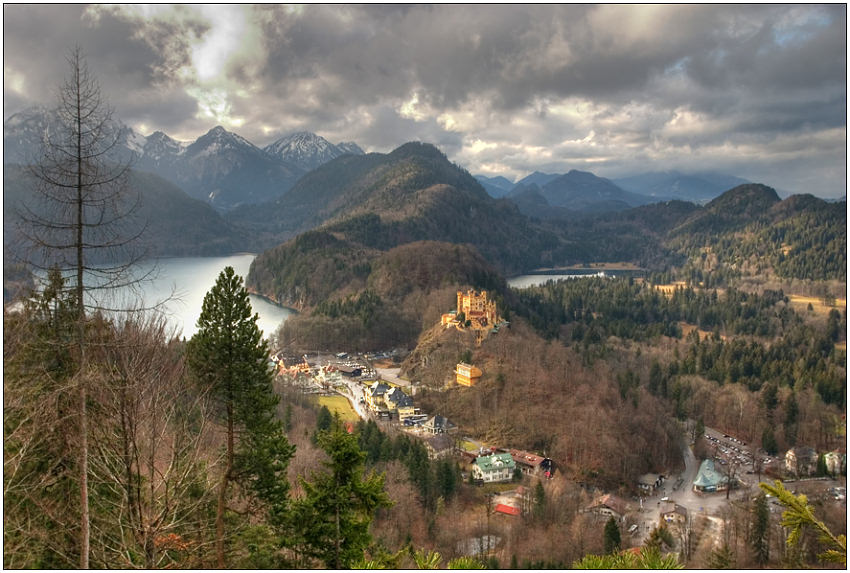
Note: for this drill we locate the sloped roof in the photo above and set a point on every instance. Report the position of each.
(526, 458)
(708, 476)
(440, 442)
(803, 453)
(612, 502)
(398, 397)
(378, 388)
(673, 507)
(495, 462)
(438, 421)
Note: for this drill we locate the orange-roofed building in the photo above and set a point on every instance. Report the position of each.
(467, 375)
(506, 509)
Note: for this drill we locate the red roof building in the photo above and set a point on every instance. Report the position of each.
(507, 509)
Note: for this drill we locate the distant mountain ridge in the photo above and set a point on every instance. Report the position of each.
(695, 187)
(220, 167)
(639, 189)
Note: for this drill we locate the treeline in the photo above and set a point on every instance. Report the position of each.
(434, 479)
(756, 339)
(602, 307)
(752, 232)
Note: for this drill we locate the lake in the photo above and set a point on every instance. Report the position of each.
(525, 281)
(190, 278)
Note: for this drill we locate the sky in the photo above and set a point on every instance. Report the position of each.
(757, 91)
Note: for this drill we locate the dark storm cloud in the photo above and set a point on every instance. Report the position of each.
(510, 87)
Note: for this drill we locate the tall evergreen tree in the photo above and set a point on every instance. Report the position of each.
(612, 536)
(760, 529)
(331, 522)
(229, 357)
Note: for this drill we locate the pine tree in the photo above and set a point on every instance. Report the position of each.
(612, 536)
(760, 529)
(539, 499)
(331, 522)
(229, 357)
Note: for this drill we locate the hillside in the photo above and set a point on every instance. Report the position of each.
(412, 194)
(749, 231)
(362, 299)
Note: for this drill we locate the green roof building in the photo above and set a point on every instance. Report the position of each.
(493, 468)
(709, 479)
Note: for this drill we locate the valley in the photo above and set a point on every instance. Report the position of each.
(727, 313)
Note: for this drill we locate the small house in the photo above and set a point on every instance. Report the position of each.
(439, 446)
(351, 371)
(493, 468)
(467, 375)
(609, 505)
(532, 464)
(801, 461)
(672, 513)
(506, 509)
(836, 462)
(438, 425)
(648, 483)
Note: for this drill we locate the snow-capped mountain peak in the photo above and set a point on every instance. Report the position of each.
(306, 149)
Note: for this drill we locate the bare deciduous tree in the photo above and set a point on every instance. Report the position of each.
(149, 452)
(82, 221)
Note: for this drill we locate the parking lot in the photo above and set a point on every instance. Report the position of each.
(729, 450)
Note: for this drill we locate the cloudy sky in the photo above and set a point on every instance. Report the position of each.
(757, 91)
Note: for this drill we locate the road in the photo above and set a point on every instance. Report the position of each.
(391, 375)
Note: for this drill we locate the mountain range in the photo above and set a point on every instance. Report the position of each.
(553, 195)
(227, 171)
(220, 167)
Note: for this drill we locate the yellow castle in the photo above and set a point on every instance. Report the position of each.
(480, 312)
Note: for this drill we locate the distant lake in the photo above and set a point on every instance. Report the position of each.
(189, 279)
(525, 281)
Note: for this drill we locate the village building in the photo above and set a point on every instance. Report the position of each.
(532, 464)
(648, 483)
(351, 371)
(374, 395)
(399, 403)
(467, 375)
(672, 513)
(836, 462)
(709, 480)
(506, 509)
(439, 446)
(493, 468)
(801, 461)
(438, 425)
(609, 505)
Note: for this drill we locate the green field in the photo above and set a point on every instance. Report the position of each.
(341, 405)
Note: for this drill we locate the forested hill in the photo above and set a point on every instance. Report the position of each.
(749, 231)
(366, 205)
(384, 200)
